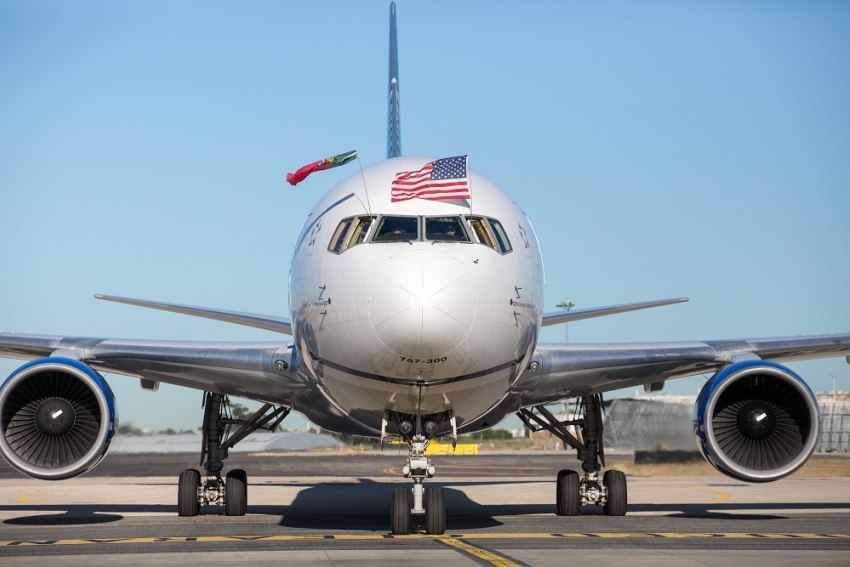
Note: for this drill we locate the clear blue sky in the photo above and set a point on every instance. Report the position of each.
(659, 148)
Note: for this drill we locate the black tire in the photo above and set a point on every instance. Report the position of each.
(615, 484)
(236, 493)
(435, 511)
(187, 493)
(567, 498)
(400, 511)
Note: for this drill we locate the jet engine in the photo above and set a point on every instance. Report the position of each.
(756, 421)
(57, 418)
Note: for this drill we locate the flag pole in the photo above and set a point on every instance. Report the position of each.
(365, 188)
(469, 182)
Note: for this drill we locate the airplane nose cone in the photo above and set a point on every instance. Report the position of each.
(422, 303)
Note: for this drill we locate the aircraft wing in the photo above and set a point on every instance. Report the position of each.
(579, 314)
(570, 370)
(267, 322)
(256, 370)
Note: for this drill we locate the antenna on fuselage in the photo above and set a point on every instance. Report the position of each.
(393, 115)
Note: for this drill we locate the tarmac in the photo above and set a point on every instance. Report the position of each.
(334, 509)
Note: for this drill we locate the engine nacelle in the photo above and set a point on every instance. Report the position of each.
(756, 421)
(57, 418)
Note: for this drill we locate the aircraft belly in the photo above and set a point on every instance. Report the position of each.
(366, 400)
(363, 379)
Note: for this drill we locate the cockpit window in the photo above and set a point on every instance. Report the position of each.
(501, 236)
(397, 229)
(338, 239)
(479, 227)
(350, 232)
(490, 233)
(445, 229)
(358, 233)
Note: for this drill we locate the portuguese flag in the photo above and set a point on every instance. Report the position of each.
(327, 163)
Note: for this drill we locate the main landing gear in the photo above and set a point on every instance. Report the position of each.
(418, 501)
(610, 490)
(232, 491)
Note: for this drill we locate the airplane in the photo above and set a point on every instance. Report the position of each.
(411, 318)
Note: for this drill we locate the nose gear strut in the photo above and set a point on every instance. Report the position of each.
(429, 503)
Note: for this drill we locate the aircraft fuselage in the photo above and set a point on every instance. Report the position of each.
(415, 307)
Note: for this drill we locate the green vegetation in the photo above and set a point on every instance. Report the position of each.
(237, 412)
(486, 435)
(130, 429)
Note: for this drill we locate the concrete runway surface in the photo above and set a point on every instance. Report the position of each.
(331, 510)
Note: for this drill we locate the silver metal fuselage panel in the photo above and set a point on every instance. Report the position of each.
(414, 326)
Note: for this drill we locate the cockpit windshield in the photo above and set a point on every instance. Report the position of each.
(445, 229)
(397, 229)
(450, 228)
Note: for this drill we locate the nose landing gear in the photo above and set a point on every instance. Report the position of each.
(418, 501)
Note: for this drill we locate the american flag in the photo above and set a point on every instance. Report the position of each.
(440, 179)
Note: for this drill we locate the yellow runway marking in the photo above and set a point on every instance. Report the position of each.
(478, 553)
(720, 496)
(28, 497)
(453, 540)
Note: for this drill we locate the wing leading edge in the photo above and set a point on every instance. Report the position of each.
(570, 370)
(255, 370)
(579, 314)
(267, 322)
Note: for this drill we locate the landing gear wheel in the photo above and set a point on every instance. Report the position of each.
(400, 511)
(615, 484)
(187, 493)
(435, 511)
(236, 493)
(568, 500)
